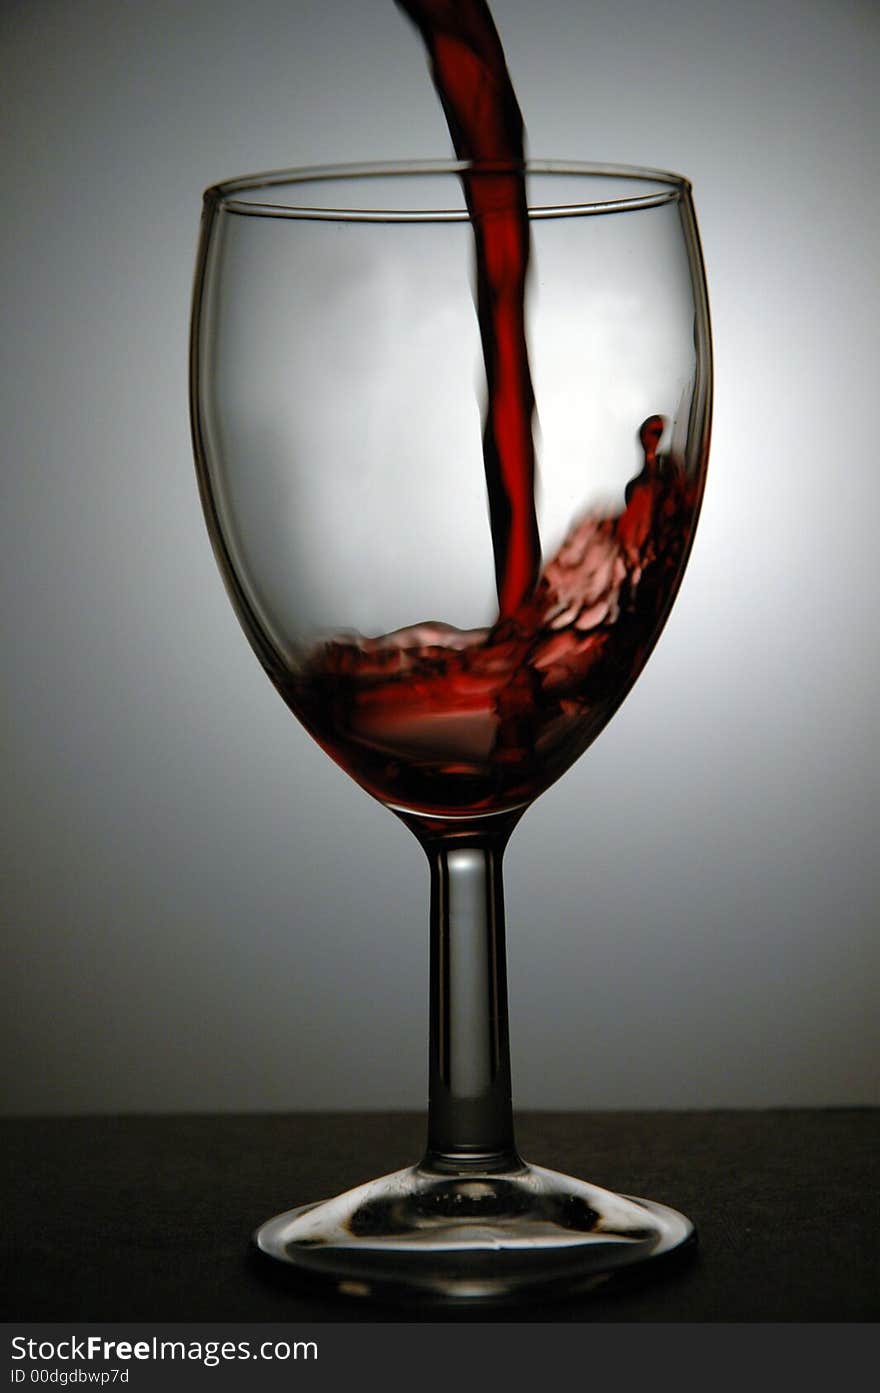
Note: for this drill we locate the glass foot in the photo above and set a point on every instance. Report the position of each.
(421, 1235)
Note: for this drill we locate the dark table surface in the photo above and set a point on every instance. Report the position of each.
(149, 1218)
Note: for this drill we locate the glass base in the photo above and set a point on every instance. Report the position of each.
(419, 1234)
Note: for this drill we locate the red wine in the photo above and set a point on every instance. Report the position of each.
(440, 721)
(486, 127)
(446, 722)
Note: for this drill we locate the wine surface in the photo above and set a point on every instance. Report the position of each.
(451, 722)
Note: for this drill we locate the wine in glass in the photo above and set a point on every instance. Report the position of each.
(454, 638)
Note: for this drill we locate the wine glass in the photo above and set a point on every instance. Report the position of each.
(335, 379)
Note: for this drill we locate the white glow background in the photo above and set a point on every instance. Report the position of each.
(201, 911)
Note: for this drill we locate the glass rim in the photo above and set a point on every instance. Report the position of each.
(226, 195)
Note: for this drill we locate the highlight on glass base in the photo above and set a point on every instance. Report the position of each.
(492, 1236)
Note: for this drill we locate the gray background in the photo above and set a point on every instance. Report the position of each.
(202, 912)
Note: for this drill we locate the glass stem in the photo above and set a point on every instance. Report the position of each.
(470, 1115)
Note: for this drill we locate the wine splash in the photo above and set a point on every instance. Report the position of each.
(451, 722)
(486, 127)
